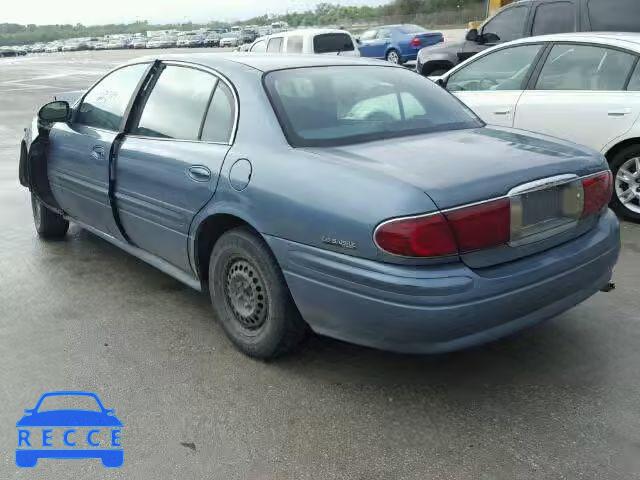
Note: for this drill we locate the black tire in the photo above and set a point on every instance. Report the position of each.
(392, 55)
(49, 225)
(619, 160)
(251, 298)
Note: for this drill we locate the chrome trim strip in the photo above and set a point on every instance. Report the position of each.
(542, 184)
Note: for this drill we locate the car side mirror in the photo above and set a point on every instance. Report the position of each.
(358, 41)
(442, 81)
(58, 111)
(472, 35)
(490, 38)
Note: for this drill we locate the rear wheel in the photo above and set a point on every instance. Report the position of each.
(625, 166)
(49, 225)
(393, 56)
(251, 298)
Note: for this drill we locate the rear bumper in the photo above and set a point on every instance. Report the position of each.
(447, 307)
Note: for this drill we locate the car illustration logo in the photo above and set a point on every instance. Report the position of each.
(69, 433)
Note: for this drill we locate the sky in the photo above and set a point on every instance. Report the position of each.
(95, 12)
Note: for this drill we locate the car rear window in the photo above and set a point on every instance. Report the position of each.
(621, 17)
(411, 29)
(341, 105)
(332, 42)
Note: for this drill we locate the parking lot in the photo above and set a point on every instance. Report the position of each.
(559, 401)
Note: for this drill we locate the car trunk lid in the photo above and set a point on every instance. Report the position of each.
(459, 168)
(426, 39)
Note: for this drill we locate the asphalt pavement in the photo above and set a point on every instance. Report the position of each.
(559, 401)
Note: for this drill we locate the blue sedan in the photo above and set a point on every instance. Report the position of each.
(396, 43)
(333, 194)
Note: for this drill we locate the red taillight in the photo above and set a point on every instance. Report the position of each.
(458, 231)
(427, 236)
(597, 192)
(416, 42)
(481, 226)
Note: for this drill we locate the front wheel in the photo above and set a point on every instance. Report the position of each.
(251, 298)
(49, 225)
(625, 166)
(394, 57)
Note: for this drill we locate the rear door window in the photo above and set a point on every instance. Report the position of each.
(369, 35)
(177, 104)
(634, 83)
(332, 42)
(582, 67)
(104, 106)
(614, 16)
(219, 122)
(274, 45)
(294, 44)
(556, 17)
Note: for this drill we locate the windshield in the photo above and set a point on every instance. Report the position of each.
(341, 105)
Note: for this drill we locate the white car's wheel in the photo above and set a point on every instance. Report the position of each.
(626, 182)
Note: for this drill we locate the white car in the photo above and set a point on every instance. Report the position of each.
(582, 87)
(321, 41)
(162, 42)
(231, 39)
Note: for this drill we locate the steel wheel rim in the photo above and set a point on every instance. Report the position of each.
(393, 57)
(627, 184)
(246, 295)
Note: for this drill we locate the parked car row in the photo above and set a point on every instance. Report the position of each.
(395, 43)
(484, 230)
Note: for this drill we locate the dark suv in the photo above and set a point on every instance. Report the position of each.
(533, 17)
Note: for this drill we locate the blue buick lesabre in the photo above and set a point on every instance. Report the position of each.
(344, 196)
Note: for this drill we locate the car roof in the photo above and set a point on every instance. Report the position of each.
(264, 62)
(628, 40)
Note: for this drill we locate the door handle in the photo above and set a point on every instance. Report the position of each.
(505, 111)
(97, 153)
(620, 113)
(199, 173)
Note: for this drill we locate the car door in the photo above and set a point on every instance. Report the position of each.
(79, 150)
(492, 84)
(580, 95)
(369, 44)
(506, 25)
(169, 162)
